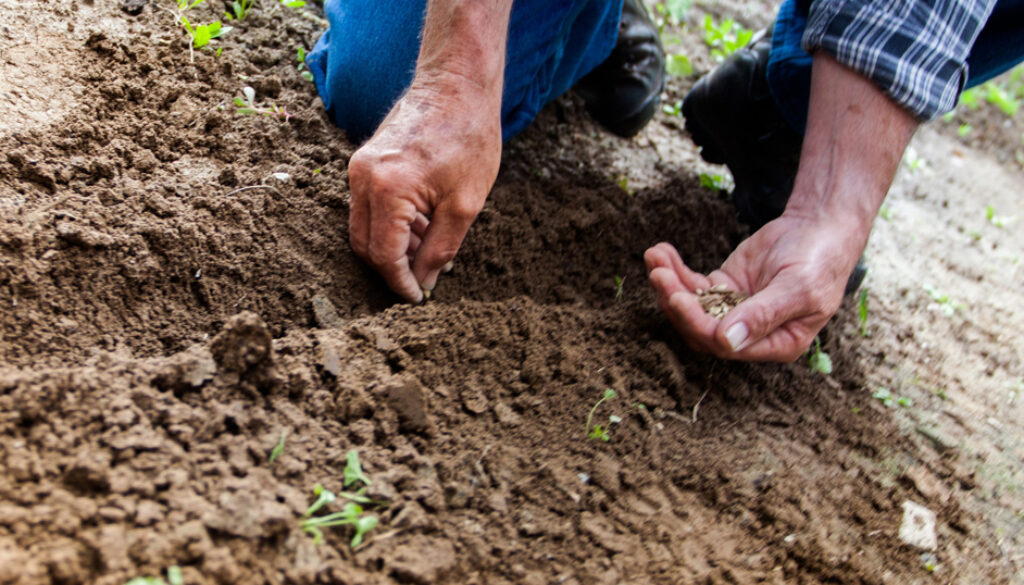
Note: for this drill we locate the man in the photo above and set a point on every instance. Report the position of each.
(840, 86)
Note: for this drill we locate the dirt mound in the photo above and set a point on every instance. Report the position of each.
(179, 294)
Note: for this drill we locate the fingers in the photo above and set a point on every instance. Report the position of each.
(390, 239)
(441, 242)
(665, 255)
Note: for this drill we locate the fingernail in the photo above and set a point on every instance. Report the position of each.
(448, 267)
(426, 294)
(737, 335)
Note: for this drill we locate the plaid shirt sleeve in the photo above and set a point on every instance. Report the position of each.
(915, 50)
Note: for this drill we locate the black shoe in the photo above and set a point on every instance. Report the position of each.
(732, 116)
(623, 93)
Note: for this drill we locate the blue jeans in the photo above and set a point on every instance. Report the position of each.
(999, 47)
(365, 61)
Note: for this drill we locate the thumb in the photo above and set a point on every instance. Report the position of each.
(751, 324)
(443, 238)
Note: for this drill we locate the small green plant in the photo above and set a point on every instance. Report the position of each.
(293, 3)
(997, 220)
(675, 10)
(301, 67)
(678, 66)
(725, 38)
(675, 109)
(971, 99)
(278, 448)
(913, 160)
(200, 34)
(239, 9)
(715, 182)
(1000, 97)
(949, 307)
(354, 470)
(964, 130)
(174, 577)
(862, 312)
(940, 392)
(247, 105)
(885, 212)
(890, 400)
(819, 360)
(618, 287)
(351, 514)
(599, 432)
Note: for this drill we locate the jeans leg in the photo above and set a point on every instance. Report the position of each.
(999, 47)
(366, 59)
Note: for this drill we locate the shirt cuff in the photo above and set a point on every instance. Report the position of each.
(915, 51)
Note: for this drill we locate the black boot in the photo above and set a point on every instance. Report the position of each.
(732, 116)
(624, 92)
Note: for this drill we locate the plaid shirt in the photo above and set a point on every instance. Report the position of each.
(915, 50)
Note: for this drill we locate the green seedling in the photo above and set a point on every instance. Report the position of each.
(819, 360)
(675, 10)
(912, 160)
(725, 38)
(301, 67)
(949, 307)
(964, 130)
(247, 105)
(294, 3)
(278, 448)
(971, 99)
(184, 5)
(354, 470)
(351, 515)
(675, 109)
(998, 96)
(996, 220)
(202, 34)
(940, 392)
(890, 400)
(885, 212)
(862, 312)
(598, 432)
(715, 182)
(623, 182)
(678, 66)
(618, 287)
(239, 9)
(174, 576)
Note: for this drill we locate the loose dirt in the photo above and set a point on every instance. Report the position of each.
(177, 290)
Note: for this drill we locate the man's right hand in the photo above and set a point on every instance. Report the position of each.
(420, 181)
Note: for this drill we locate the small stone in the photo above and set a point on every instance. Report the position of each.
(325, 313)
(918, 527)
(506, 415)
(330, 361)
(473, 400)
(133, 7)
(405, 396)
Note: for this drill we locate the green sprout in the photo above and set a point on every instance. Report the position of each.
(971, 99)
(293, 3)
(964, 130)
(890, 400)
(862, 312)
(949, 306)
(240, 9)
(996, 220)
(174, 576)
(301, 67)
(618, 287)
(998, 96)
(675, 109)
(247, 105)
(819, 360)
(715, 182)
(725, 38)
(885, 212)
(354, 470)
(675, 10)
(278, 448)
(351, 515)
(598, 432)
(678, 66)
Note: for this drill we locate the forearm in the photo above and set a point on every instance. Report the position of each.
(464, 40)
(854, 142)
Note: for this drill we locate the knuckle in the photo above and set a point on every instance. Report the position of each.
(466, 208)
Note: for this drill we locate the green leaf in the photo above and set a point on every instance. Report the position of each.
(354, 470)
(862, 312)
(279, 447)
(324, 497)
(821, 362)
(201, 36)
(679, 66)
(174, 576)
(363, 525)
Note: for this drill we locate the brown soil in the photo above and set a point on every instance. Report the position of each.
(177, 290)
